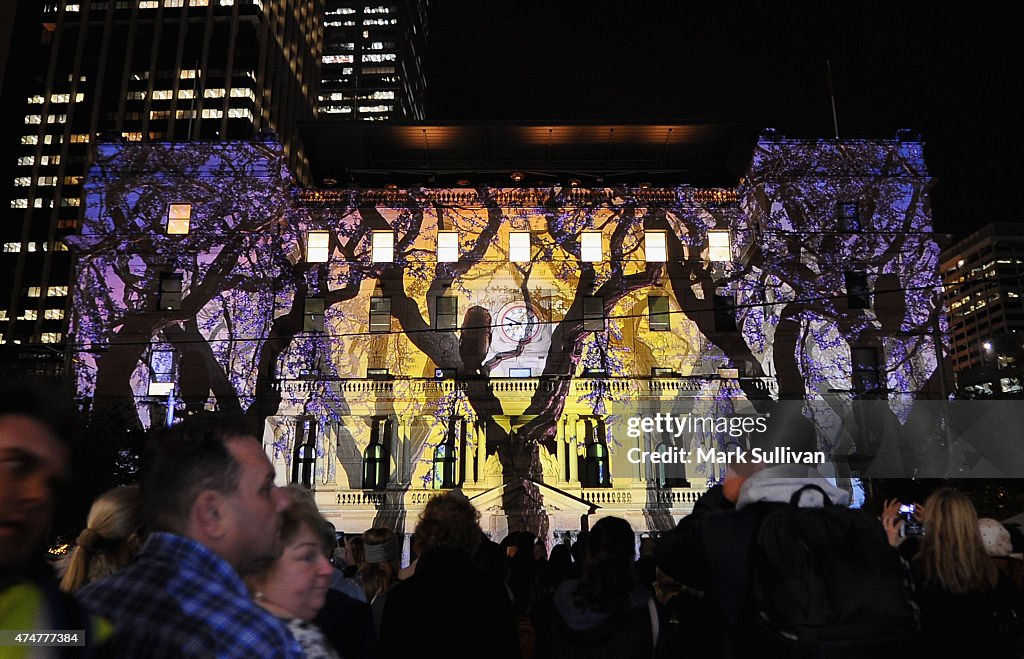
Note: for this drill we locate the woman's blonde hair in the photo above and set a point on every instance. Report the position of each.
(112, 535)
(952, 554)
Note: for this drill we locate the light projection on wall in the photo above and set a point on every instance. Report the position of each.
(533, 311)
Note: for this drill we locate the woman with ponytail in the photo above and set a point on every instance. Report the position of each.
(112, 536)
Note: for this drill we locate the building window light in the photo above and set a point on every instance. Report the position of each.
(655, 246)
(179, 217)
(57, 291)
(383, 247)
(447, 246)
(35, 291)
(51, 337)
(317, 246)
(590, 247)
(519, 246)
(719, 245)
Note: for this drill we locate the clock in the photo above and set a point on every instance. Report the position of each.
(518, 323)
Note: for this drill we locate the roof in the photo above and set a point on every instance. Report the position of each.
(367, 153)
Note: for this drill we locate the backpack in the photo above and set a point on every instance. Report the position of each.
(826, 582)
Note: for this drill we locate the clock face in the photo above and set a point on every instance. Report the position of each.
(518, 323)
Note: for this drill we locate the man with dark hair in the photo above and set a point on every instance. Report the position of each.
(34, 463)
(214, 511)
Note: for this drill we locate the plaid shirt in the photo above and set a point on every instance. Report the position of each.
(179, 599)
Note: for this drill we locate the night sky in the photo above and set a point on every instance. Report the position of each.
(948, 73)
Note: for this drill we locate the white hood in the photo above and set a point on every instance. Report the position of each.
(777, 485)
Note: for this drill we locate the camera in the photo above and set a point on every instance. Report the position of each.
(911, 526)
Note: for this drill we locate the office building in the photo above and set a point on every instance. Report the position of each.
(373, 60)
(983, 275)
(138, 71)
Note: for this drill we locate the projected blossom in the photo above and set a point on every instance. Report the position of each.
(256, 327)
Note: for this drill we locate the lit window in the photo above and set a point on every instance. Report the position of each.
(210, 113)
(590, 247)
(593, 314)
(35, 291)
(519, 246)
(51, 337)
(29, 139)
(57, 291)
(380, 314)
(655, 247)
(657, 313)
(163, 94)
(12, 247)
(179, 216)
(383, 250)
(214, 92)
(53, 314)
(30, 314)
(719, 245)
(23, 181)
(19, 203)
(447, 246)
(317, 246)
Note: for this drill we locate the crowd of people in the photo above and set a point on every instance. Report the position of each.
(207, 557)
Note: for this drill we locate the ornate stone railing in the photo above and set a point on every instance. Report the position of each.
(361, 499)
(524, 387)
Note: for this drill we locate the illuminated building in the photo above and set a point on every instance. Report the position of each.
(373, 59)
(140, 70)
(983, 274)
(498, 336)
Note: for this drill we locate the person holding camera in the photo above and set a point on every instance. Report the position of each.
(963, 598)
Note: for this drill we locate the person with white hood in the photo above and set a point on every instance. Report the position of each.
(725, 540)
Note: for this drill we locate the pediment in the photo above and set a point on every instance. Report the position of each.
(555, 500)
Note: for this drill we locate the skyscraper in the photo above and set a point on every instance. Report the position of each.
(982, 276)
(373, 60)
(137, 70)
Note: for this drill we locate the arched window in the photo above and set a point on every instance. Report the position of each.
(304, 457)
(669, 475)
(594, 464)
(443, 474)
(376, 460)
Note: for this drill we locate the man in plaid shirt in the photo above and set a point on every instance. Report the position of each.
(215, 512)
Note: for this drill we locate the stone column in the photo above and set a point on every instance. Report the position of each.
(574, 467)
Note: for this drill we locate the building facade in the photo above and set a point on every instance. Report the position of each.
(373, 61)
(141, 70)
(507, 340)
(982, 274)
